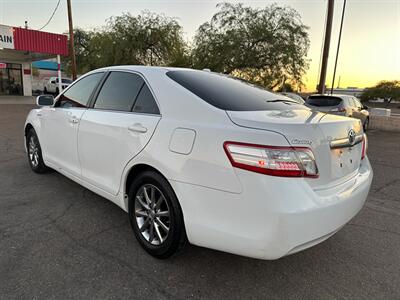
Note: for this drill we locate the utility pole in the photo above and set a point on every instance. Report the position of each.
(59, 74)
(71, 40)
(327, 42)
(151, 46)
(151, 56)
(338, 46)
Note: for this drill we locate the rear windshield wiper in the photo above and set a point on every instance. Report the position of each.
(283, 100)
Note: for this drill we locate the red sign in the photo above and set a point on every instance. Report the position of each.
(3, 66)
(40, 41)
(27, 71)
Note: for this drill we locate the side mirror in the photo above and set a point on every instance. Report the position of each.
(45, 100)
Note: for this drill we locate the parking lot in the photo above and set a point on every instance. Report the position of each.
(59, 240)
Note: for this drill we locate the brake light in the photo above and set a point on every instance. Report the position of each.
(271, 160)
(364, 147)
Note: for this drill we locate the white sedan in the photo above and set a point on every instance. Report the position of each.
(202, 157)
(52, 86)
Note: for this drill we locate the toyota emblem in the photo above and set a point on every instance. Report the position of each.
(352, 137)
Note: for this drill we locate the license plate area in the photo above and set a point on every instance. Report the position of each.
(345, 160)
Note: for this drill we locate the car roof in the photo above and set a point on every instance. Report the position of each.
(146, 70)
(142, 69)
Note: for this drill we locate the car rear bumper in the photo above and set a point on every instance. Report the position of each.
(273, 216)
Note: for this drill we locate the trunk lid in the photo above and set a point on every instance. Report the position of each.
(323, 108)
(325, 134)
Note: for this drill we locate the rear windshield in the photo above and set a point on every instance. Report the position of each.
(323, 101)
(230, 93)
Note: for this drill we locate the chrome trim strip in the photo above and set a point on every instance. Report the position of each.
(345, 142)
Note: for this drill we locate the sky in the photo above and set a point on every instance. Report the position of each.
(370, 46)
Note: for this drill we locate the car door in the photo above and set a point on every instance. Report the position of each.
(47, 85)
(116, 128)
(61, 122)
(52, 85)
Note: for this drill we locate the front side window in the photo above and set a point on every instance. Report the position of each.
(79, 94)
(230, 93)
(119, 91)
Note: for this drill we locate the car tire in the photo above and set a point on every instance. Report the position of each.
(57, 91)
(156, 219)
(34, 152)
(45, 91)
(366, 124)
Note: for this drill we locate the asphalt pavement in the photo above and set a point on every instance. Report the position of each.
(61, 241)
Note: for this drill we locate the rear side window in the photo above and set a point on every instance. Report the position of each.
(357, 102)
(323, 101)
(79, 94)
(119, 91)
(145, 102)
(229, 93)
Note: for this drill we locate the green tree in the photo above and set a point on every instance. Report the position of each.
(82, 41)
(385, 89)
(286, 87)
(147, 39)
(259, 45)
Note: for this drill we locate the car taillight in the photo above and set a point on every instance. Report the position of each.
(364, 146)
(272, 160)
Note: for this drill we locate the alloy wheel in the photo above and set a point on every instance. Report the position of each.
(33, 150)
(152, 214)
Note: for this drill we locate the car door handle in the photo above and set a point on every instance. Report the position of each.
(137, 127)
(73, 120)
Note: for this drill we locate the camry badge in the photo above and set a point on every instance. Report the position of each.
(301, 141)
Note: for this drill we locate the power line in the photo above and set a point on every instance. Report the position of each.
(52, 15)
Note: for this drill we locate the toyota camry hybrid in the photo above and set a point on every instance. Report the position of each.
(195, 156)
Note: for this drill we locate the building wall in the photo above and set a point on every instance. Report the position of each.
(27, 79)
(43, 70)
(33, 81)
